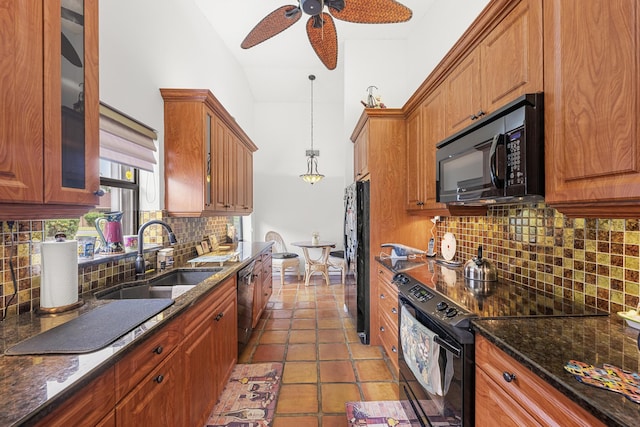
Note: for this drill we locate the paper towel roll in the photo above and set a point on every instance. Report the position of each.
(59, 283)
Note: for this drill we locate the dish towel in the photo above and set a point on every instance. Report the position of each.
(432, 367)
(608, 377)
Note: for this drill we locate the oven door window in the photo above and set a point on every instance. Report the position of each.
(432, 367)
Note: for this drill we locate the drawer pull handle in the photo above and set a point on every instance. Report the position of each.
(219, 316)
(381, 296)
(159, 379)
(158, 349)
(394, 349)
(381, 328)
(394, 310)
(508, 377)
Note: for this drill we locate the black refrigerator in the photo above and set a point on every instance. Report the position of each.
(356, 244)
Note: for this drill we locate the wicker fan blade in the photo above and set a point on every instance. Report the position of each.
(370, 11)
(323, 37)
(272, 24)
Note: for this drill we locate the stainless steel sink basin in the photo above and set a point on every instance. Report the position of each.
(168, 285)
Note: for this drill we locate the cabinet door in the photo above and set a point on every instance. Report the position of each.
(415, 161)
(464, 93)
(248, 180)
(156, 401)
(361, 154)
(434, 122)
(71, 110)
(221, 162)
(21, 65)
(592, 131)
(258, 300)
(512, 56)
(200, 388)
(225, 342)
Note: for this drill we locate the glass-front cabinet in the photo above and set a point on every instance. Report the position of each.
(49, 125)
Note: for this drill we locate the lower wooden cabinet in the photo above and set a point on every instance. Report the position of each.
(509, 394)
(209, 351)
(388, 314)
(263, 286)
(89, 406)
(156, 401)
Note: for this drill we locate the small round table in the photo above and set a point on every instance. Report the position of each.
(318, 265)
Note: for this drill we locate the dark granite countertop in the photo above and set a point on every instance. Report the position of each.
(33, 386)
(545, 345)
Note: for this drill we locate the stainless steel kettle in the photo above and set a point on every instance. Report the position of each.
(480, 269)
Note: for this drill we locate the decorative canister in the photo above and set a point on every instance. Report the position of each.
(315, 238)
(165, 259)
(86, 247)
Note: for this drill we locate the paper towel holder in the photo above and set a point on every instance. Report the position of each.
(53, 311)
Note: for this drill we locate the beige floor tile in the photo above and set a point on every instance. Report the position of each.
(334, 421)
(372, 370)
(302, 336)
(304, 324)
(337, 371)
(380, 391)
(335, 396)
(297, 399)
(282, 314)
(305, 313)
(294, 421)
(329, 323)
(331, 335)
(361, 351)
(333, 351)
(273, 324)
(300, 372)
(268, 353)
(297, 352)
(274, 337)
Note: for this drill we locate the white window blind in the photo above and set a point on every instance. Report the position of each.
(125, 140)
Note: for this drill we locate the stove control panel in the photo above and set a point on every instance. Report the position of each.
(432, 303)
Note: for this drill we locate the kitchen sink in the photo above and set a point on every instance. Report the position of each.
(168, 285)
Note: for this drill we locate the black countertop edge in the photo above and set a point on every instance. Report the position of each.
(591, 406)
(30, 416)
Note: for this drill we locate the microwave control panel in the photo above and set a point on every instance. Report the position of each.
(515, 149)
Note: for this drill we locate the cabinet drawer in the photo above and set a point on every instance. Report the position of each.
(385, 274)
(199, 312)
(548, 405)
(133, 368)
(388, 303)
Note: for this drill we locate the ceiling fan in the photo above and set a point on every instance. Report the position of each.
(321, 29)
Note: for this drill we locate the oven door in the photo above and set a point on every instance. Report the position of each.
(436, 376)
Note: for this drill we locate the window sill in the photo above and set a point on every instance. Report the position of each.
(102, 259)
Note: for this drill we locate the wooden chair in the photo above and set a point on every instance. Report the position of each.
(281, 259)
(336, 260)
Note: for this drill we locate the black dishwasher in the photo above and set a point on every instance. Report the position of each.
(246, 284)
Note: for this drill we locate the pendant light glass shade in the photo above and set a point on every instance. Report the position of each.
(312, 176)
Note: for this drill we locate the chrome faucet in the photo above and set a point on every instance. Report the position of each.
(140, 268)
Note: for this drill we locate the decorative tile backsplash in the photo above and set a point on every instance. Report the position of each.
(20, 249)
(595, 261)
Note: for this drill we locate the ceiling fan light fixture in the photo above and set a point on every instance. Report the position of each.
(311, 7)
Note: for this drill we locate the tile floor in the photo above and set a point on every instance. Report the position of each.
(325, 365)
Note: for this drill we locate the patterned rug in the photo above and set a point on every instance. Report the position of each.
(378, 413)
(249, 398)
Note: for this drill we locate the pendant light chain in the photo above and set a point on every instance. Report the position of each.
(312, 78)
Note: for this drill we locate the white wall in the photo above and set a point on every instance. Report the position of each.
(149, 44)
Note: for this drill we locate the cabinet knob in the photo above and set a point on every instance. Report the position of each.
(219, 316)
(508, 377)
(394, 349)
(158, 350)
(394, 310)
(381, 328)
(420, 203)
(99, 192)
(473, 117)
(381, 296)
(159, 379)
(480, 113)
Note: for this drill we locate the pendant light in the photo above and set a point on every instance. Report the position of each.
(312, 176)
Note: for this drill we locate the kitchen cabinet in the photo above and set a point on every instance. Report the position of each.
(90, 406)
(425, 128)
(506, 63)
(361, 156)
(263, 286)
(509, 394)
(383, 131)
(55, 124)
(208, 158)
(209, 350)
(148, 379)
(388, 314)
(592, 126)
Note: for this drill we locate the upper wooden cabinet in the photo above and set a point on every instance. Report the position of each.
(425, 128)
(361, 155)
(592, 117)
(208, 158)
(49, 131)
(505, 64)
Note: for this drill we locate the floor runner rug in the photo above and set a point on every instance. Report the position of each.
(249, 398)
(378, 414)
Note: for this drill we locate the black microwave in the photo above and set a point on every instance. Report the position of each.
(497, 160)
